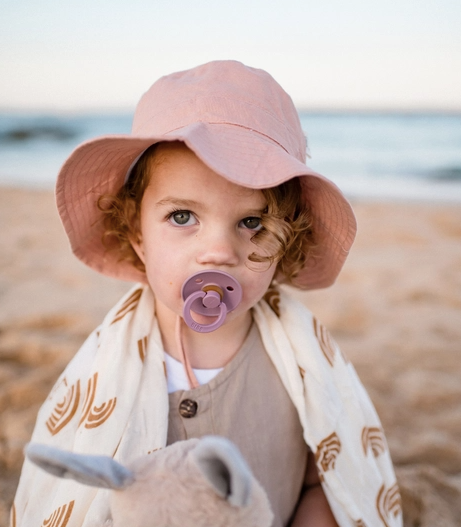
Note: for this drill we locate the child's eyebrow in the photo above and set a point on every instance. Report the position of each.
(190, 204)
(178, 202)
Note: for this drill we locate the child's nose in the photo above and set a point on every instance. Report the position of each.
(218, 249)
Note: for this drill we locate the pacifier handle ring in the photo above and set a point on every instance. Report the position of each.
(207, 328)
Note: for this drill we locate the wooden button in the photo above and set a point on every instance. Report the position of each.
(188, 408)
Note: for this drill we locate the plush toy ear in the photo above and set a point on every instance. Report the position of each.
(95, 471)
(224, 467)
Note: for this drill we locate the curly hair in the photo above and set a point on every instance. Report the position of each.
(286, 236)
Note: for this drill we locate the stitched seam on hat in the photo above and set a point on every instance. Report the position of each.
(288, 129)
(231, 124)
(232, 100)
(249, 103)
(283, 123)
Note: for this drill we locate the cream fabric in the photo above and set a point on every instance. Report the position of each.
(112, 399)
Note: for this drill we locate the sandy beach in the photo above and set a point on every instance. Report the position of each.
(395, 312)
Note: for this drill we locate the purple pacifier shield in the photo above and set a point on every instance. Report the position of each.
(210, 293)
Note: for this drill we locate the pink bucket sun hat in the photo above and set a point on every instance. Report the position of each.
(240, 123)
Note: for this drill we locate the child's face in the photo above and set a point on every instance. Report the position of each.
(192, 220)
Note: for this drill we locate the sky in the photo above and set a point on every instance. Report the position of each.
(92, 55)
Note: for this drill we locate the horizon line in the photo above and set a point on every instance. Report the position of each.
(312, 109)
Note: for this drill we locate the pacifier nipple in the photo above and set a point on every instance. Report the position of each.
(212, 294)
(212, 298)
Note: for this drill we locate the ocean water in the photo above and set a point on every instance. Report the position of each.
(377, 156)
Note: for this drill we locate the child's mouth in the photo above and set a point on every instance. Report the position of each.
(208, 297)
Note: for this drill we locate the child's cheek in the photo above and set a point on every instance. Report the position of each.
(257, 286)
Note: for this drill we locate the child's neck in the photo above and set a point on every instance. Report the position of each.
(204, 350)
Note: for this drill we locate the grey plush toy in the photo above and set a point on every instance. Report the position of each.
(198, 483)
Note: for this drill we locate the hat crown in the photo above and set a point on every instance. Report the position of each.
(221, 92)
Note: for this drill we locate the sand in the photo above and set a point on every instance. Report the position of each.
(395, 311)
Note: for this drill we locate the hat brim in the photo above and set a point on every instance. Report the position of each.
(242, 156)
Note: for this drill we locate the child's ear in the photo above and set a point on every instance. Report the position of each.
(138, 247)
(225, 469)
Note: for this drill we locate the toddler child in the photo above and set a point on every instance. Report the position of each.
(208, 205)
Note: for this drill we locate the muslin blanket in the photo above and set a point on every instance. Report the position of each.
(112, 399)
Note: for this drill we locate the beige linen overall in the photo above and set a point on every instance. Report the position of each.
(248, 403)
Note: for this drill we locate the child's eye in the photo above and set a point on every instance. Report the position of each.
(182, 217)
(252, 222)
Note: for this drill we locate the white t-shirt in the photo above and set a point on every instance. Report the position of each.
(177, 377)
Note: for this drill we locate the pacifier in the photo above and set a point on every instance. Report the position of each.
(210, 293)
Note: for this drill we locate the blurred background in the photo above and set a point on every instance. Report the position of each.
(378, 89)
